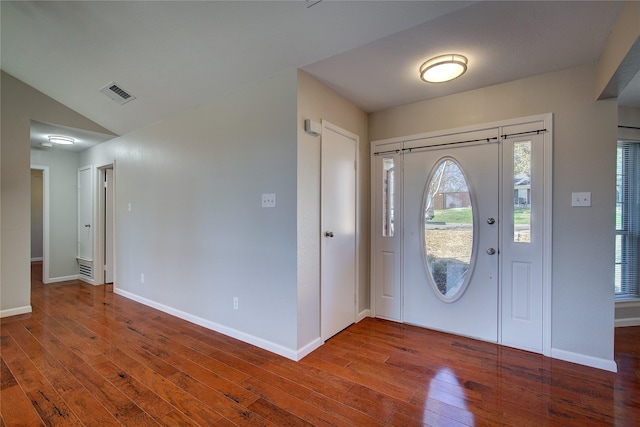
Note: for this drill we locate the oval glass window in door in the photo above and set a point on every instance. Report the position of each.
(448, 230)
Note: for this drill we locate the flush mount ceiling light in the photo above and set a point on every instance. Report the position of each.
(64, 140)
(443, 68)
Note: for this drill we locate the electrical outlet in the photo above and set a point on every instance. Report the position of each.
(269, 200)
(141, 277)
(235, 303)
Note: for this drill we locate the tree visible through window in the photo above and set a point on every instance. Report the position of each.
(627, 219)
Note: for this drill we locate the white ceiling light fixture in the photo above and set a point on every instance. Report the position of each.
(63, 140)
(443, 68)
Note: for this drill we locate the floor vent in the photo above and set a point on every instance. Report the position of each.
(85, 269)
(115, 92)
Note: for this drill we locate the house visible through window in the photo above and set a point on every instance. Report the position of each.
(627, 219)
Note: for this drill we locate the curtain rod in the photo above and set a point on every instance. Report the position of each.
(495, 138)
(537, 132)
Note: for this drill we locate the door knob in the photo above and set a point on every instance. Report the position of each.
(491, 251)
(491, 221)
(328, 234)
(87, 225)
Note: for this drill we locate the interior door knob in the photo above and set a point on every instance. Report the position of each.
(491, 251)
(491, 221)
(328, 234)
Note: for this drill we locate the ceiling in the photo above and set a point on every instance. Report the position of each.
(84, 139)
(177, 55)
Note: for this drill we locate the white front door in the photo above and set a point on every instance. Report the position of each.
(450, 247)
(338, 228)
(469, 223)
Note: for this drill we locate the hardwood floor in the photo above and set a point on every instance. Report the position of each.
(86, 356)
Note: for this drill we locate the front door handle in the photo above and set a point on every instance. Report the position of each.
(328, 234)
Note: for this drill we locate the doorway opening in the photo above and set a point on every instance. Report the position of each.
(40, 220)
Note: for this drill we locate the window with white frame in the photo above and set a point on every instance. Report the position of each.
(627, 219)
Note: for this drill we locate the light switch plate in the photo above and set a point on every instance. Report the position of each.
(581, 199)
(269, 200)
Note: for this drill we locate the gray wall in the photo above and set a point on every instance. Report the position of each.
(20, 104)
(63, 209)
(196, 229)
(584, 160)
(317, 102)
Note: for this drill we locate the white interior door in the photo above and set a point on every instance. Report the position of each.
(450, 247)
(338, 227)
(85, 213)
(108, 227)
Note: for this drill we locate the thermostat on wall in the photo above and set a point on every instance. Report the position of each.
(312, 128)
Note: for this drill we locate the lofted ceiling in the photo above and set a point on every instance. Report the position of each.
(177, 55)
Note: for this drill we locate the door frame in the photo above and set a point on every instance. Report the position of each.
(45, 221)
(547, 121)
(328, 126)
(100, 220)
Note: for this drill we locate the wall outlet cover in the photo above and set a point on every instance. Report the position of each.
(582, 199)
(269, 200)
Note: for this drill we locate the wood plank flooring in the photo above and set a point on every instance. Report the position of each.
(86, 356)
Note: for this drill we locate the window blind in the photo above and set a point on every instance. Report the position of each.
(627, 219)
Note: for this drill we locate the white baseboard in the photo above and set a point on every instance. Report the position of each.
(62, 279)
(629, 321)
(85, 280)
(225, 330)
(363, 315)
(15, 311)
(36, 259)
(581, 359)
(308, 348)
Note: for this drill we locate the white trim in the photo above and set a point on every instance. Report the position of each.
(46, 213)
(15, 311)
(372, 232)
(62, 279)
(628, 321)
(99, 220)
(627, 303)
(37, 259)
(582, 359)
(307, 349)
(225, 330)
(547, 258)
(363, 315)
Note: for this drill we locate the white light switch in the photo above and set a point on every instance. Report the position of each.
(269, 200)
(581, 199)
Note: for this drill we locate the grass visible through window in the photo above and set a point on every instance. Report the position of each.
(463, 216)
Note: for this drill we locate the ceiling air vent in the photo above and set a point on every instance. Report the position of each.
(116, 93)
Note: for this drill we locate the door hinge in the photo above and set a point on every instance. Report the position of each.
(105, 184)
